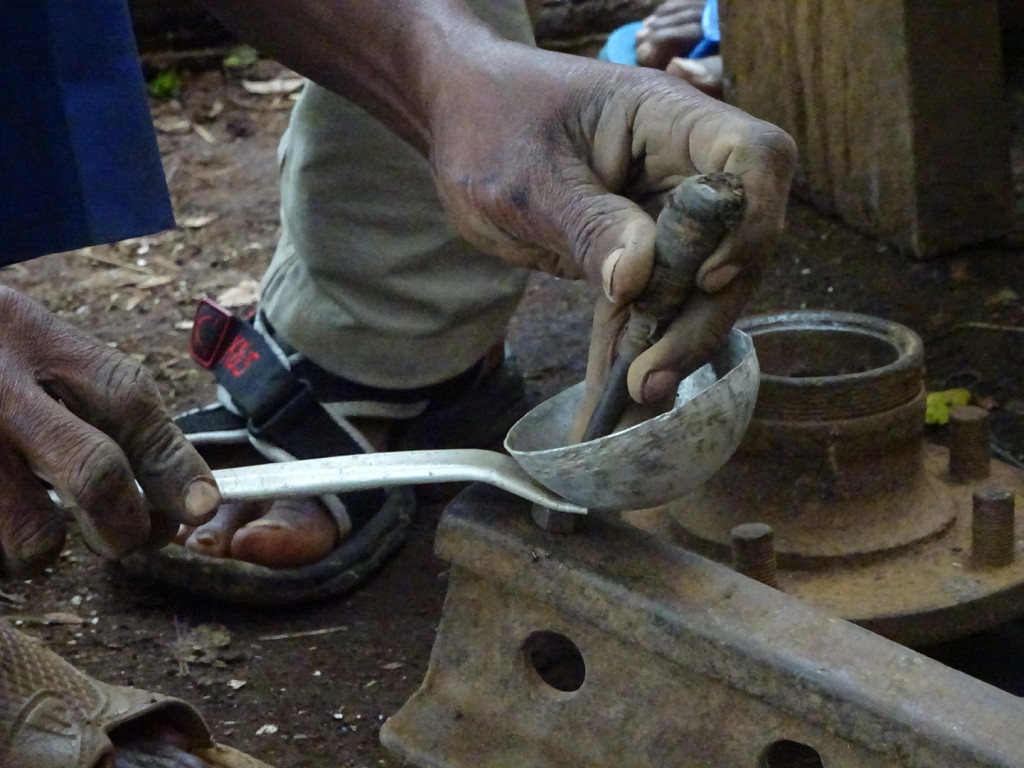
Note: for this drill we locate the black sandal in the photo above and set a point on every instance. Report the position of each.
(286, 407)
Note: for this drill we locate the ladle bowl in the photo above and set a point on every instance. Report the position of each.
(655, 461)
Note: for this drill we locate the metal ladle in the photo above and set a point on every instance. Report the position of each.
(648, 464)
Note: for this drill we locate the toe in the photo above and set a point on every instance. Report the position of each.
(292, 533)
(214, 538)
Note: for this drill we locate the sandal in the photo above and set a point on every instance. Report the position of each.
(286, 407)
(54, 716)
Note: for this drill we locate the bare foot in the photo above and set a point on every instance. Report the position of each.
(213, 539)
(291, 533)
(286, 533)
(672, 30)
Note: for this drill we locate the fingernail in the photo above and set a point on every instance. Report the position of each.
(658, 385)
(201, 500)
(608, 272)
(271, 525)
(719, 277)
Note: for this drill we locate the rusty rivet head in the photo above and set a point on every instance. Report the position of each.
(969, 450)
(993, 535)
(753, 552)
(553, 521)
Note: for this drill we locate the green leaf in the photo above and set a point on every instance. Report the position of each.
(165, 85)
(940, 404)
(241, 56)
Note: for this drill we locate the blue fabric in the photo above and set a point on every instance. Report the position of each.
(703, 49)
(712, 32)
(620, 47)
(79, 163)
(709, 23)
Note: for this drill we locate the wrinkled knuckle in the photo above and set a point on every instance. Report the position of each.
(12, 301)
(782, 144)
(160, 448)
(13, 396)
(31, 543)
(22, 319)
(590, 225)
(586, 230)
(8, 298)
(131, 385)
(774, 142)
(154, 439)
(98, 467)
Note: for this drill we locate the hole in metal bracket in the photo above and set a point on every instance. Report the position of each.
(790, 754)
(556, 660)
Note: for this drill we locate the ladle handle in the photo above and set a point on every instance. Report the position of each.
(698, 213)
(336, 474)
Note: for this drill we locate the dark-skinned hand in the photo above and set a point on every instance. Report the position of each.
(548, 160)
(563, 180)
(672, 30)
(86, 420)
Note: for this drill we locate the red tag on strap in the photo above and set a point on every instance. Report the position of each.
(211, 331)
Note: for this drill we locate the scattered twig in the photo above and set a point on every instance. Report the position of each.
(172, 169)
(308, 633)
(204, 133)
(276, 87)
(58, 618)
(276, 105)
(116, 263)
(12, 599)
(208, 175)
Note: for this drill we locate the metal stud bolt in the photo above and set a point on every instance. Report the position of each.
(753, 552)
(993, 539)
(969, 450)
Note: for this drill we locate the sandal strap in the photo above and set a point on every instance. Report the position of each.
(278, 405)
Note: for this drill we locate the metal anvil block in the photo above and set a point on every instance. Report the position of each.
(612, 648)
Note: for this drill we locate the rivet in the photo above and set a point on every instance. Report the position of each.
(753, 552)
(552, 520)
(969, 450)
(993, 539)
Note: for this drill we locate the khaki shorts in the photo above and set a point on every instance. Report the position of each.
(369, 279)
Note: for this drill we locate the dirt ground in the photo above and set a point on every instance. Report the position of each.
(311, 686)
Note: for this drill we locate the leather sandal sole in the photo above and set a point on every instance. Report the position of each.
(247, 584)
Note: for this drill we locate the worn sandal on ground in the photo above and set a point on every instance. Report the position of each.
(54, 716)
(286, 407)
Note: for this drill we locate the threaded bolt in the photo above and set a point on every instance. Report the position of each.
(969, 450)
(753, 552)
(993, 539)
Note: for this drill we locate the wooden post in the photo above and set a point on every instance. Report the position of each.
(897, 107)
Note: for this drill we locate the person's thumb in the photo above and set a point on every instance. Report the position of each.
(613, 239)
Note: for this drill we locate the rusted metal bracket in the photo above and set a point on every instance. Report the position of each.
(612, 647)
